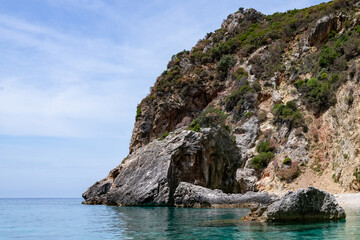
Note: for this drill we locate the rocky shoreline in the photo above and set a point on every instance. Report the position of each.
(203, 170)
(310, 204)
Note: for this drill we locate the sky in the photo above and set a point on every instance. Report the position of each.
(72, 73)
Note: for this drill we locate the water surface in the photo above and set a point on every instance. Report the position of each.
(68, 219)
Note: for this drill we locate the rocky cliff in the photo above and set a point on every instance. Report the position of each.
(266, 102)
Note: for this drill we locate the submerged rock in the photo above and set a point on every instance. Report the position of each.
(189, 195)
(310, 204)
(150, 175)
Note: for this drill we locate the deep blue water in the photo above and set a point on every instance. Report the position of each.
(69, 219)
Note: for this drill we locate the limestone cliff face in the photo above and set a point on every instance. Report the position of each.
(344, 122)
(185, 88)
(151, 174)
(263, 103)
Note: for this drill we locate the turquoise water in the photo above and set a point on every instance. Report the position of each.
(68, 219)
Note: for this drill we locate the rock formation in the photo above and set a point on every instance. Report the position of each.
(189, 195)
(324, 27)
(247, 179)
(150, 175)
(264, 103)
(308, 204)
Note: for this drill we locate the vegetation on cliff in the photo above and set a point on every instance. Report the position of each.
(281, 72)
(280, 90)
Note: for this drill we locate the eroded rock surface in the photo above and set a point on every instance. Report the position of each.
(233, 22)
(189, 195)
(246, 135)
(247, 179)
(323, 28)
(150, 175)
(303, 205)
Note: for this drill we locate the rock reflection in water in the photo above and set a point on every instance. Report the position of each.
(187, 223)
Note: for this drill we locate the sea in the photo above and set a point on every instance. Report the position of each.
(68, 219)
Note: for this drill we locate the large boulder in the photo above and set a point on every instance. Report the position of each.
(247, 179)
(252, 15)
(323, 27)
(233, 22)
(150, 175)
(189, 195)
(310, 204)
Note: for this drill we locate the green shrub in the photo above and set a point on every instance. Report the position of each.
(357, 175)
(256, 86)
(237, 97)
(357, 29)
(334, 78)
(168, 79)
(332, 34)
(240, 73)
(317, 95)
(228, 47)
(138, 113)
(210, 117)
(249, 114)
(264, 146)
(173, 73)
(265, 154)
(194, 126)
(218, 34)
(288, 113)
(262, 160)
(324, 76)
(351, 47)
(340, 41)
(335, 178)
(346, 156)
(287, 161)
(299, 84)
(327, 56)
(197, 56)
(164, 136)
(225, 64)
(152, 97)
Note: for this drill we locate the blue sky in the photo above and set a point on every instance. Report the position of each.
(72, 73)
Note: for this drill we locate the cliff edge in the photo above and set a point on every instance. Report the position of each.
(265, 103)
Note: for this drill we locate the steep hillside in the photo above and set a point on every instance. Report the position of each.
(263, 103)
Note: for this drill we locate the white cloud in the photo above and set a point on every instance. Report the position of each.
(54, 84)
(73, 111)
